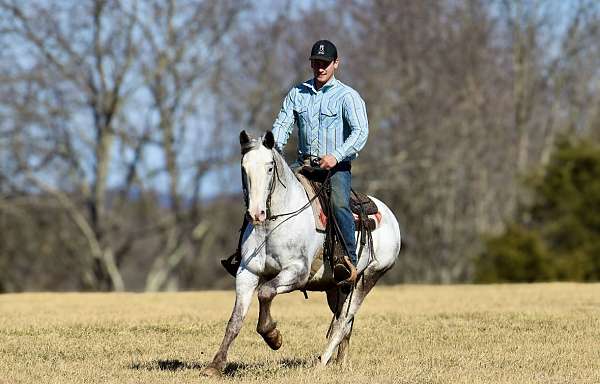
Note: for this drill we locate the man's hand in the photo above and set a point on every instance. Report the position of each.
(327, 162)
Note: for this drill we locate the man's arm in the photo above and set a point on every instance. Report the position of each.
(354, 113)
(284, 124)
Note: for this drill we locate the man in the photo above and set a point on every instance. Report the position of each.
(332, 127)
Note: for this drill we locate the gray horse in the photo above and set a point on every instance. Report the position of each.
(277, 254)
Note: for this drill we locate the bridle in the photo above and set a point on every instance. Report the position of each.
(272, 184)
(251, 145)
(275, 178)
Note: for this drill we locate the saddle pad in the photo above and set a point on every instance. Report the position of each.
(316, 204)
(319, 215)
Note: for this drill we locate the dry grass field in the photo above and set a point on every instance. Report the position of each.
(543, 333)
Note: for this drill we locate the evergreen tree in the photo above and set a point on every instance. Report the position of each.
(558, 235)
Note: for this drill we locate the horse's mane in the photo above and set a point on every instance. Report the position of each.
(281, 163)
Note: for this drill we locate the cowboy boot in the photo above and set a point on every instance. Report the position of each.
(232, 263)
(344, 272)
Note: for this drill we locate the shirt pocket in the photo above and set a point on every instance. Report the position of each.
(329, 118)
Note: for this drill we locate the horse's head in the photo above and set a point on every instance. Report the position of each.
(258, 165)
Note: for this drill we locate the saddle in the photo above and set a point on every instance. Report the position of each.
(366, 216)
(365, 211)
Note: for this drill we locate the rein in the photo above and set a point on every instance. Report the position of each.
(310, 201)
(276, 178)
(273, 183)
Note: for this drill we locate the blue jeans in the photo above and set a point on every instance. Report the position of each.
(341, 181)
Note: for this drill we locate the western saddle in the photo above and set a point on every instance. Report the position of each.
(366, 216)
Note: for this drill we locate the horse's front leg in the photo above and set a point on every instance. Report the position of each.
(287, 280)
(245, 285)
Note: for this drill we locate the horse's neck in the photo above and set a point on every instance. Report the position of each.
(293, 195)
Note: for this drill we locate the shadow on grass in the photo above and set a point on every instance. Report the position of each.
(231, 369)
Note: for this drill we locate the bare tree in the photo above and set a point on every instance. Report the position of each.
(83, 60)
(114, 115)
(177, 74)
(94, 91)
(463, 99)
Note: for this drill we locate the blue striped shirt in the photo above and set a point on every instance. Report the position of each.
(332, 120)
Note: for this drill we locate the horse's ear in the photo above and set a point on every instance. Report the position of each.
(244, 138)
(269, 140)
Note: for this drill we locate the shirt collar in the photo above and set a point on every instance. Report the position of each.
(311, 84)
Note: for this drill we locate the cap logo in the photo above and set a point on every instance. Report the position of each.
(321, 50)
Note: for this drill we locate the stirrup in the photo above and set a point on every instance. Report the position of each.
(344, 272)
(231, 264)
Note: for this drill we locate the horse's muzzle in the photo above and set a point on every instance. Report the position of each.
(258, 217)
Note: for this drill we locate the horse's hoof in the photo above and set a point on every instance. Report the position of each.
(319, 363)
(274, 339)
(211, 371)
(316, 362)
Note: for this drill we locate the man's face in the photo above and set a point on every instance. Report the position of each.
(323, 70)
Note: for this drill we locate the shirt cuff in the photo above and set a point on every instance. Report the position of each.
(279, 147)
(338, 155)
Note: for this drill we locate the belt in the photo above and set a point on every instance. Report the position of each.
(313, 161)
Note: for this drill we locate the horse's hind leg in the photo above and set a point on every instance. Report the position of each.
(245, 286)
(342, 355)
(335, 300)
(342, 327)
(286, 281)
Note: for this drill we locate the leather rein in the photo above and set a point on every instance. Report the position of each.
(275, 178)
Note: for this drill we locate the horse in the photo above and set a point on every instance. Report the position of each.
(278, 249)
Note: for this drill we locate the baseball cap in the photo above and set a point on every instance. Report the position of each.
(323, 50)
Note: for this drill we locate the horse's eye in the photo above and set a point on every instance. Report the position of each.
(270, 169)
